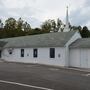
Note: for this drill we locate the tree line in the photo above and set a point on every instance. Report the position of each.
(15, 28)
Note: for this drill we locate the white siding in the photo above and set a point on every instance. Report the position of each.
(43, 56)
(89, 58)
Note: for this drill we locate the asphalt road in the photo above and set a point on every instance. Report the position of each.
(38, 77)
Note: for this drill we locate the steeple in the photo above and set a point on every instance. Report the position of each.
(66, 29)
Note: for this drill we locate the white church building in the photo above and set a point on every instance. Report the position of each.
(58, 49)
(51, 49)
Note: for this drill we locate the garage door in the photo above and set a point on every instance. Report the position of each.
(84, 58)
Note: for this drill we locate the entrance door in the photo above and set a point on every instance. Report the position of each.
(84, 58)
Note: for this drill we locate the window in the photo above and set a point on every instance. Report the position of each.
(35, 53)
(52, 52)
(22, 52)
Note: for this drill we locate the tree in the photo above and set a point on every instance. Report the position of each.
(46, 26)
(49, 26)
(85, 32)
(53, 26)
(20, 24)
(10, 24)
(79, 28)
(59, 24)
(1, 24)
(26, 27)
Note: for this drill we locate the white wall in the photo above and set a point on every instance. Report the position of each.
(88, 57)
(43, 56)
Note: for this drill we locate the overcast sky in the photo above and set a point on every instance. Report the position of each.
(37, 11)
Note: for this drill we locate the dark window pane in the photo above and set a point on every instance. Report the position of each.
(22, 52)
(35, 53)
(52, 52)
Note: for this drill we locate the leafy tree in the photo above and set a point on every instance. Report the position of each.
(20, 24)
(46, 26)
(10, 24)
(36, 31)
(59, 25)
(53, 26)
(13, 28)
(85, 33)
(49, 26)
(1, 24)
(26, 27)
(79, 28)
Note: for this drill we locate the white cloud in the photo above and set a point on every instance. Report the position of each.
(13, 3)
(39, 10)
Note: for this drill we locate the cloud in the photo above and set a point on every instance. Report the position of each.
(87, 3)
(81, 15)
(19, 9)
(37, 11)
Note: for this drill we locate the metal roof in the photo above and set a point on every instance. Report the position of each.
(58, 39)
(81, 43)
